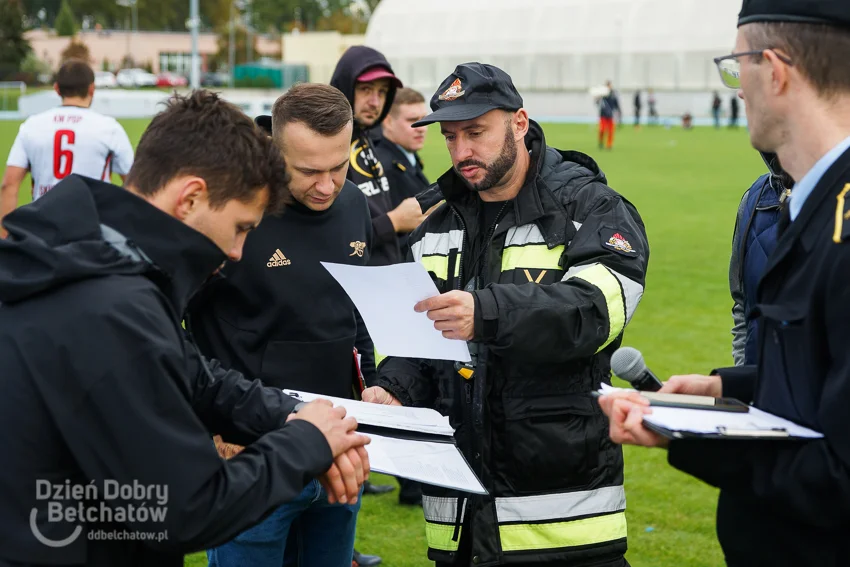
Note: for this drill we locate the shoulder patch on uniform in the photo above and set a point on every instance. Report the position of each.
(842, 216)
(618, 241)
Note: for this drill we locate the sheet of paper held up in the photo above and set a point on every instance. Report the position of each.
(440, 464)
(707, 421)
(423, 420)
(385, 297)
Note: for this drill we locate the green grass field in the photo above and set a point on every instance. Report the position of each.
(686, 185)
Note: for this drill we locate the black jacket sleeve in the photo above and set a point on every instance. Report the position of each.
(383, 231)
(589, 308)
(134, 422)
(810, 480)
(408, 379)
(738, 381)
(230, 405)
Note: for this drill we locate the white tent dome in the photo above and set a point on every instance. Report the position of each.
(559, 45)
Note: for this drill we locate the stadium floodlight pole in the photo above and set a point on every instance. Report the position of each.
(249, 22)
(195, 22)
(231, 45)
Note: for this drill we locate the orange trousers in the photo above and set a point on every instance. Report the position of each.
(606, 125)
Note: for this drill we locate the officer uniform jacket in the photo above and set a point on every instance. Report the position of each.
(788, 502)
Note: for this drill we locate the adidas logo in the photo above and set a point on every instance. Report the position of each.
(278, 260)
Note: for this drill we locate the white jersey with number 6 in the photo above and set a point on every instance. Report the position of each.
(70, 139)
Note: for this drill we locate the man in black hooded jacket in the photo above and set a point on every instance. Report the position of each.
(366, 78)
(108, 409)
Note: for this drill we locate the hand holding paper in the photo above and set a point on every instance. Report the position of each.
(453, 314)
(386, 297)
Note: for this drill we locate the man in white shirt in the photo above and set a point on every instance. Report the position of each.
(68, 139)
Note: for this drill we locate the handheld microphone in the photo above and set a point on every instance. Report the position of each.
(628, 364)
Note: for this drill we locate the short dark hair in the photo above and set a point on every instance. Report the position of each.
(323, 108)
(74, 78)
(819, 51)
(201, 134)
(406, 96)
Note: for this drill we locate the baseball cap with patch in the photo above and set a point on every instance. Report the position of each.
(376, 73)
(474, 89)
(832, 12)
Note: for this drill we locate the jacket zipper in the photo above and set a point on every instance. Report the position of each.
(490, 235)
(459, 284)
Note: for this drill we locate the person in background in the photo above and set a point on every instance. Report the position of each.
(752, 243)
(366, 79)
(652, 104)
(609, 108)
(397, 148)
(716, 105)
(278, 313)
(637, 105)
(733, 111)
(70, 138)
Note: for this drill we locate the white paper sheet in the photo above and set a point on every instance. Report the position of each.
(423, 420)
(385, 297)
(440, 464)
(708, 421)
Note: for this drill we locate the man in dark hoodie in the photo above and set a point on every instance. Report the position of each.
(109, 408)
(366, 79)
(278, 313)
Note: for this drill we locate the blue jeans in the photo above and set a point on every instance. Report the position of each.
(324, 538)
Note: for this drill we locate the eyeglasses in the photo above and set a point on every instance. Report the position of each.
(730, 68)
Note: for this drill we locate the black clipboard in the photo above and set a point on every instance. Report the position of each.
(771, 434)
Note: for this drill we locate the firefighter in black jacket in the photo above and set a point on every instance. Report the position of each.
(541, 266)
(365, 77)
(786, 502)
(102, 387)
(397, 144)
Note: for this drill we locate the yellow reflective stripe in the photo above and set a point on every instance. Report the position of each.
(534, 256)
(378, 358)
(599, 276)
(440, 536)
(440, 266)
(589, 531)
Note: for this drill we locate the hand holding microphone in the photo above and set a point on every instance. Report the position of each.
(628, 364)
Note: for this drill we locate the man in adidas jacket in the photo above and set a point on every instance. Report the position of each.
(541, 266)
(280, 316)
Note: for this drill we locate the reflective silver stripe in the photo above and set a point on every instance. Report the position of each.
(561, 506)
(525, 234)
(633, 291)
(574, 270)
(442, 510)
(437, 243)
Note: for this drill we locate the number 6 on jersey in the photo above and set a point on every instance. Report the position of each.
(62, 169)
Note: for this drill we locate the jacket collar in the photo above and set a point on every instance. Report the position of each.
(533, 203)
(182, 258)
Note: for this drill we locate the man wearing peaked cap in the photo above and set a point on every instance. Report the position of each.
(541, 265)
(785, 502)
